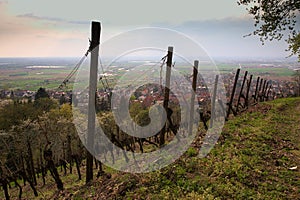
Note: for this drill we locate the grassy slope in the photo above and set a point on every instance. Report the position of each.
(250, 161)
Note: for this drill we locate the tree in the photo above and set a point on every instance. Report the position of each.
(41, 93)
(275, 19)
(13, 114)
(44, 105)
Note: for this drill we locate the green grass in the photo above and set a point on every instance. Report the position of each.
(256, 70)
(281, 72)
(250, 161)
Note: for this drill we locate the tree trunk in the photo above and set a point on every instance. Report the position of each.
(52, 168)
(77, 162)
(31, 163)
(55, 175)
(69, 153)
(20, 188)
(42, 166)
(29, 180)
(5, 189)
(23, 170)
(33, 188)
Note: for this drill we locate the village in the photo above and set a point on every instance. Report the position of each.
(152, 93)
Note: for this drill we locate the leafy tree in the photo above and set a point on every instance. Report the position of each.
(13, 114)
(63, 100)
(41, 93)
(274, 19)
(143, 118)
(45, 105)
(134, 109)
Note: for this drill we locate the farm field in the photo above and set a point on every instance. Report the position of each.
(36, 73)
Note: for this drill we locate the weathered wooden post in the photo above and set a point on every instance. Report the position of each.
(167, 92)
(268, 93)
(213, 103)
(194, 84)
(94, 48)
(265, 91)
(262, 91)
(232, 94)
(241, 91)
(248, 90)
(259, 89)
(256, 90)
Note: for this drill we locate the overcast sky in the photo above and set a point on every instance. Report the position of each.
(44, 28)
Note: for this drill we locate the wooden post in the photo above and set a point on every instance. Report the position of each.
(248, 90)
(194, 84)
(256, 90)
(269, 92)
(259, 89)
(167, 92)
(94, 48)
(213, 103)
(241, 91)
(232, 94)
(262, 91)
(265, 91)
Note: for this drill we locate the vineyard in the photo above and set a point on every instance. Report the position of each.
(251, 159)
(47, 153)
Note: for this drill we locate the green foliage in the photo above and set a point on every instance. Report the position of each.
(41, 93)
(134, 109)
(45, 105)
(274, 19)
(142, 118)
(191, 152)
(14, 114)
(295, 45)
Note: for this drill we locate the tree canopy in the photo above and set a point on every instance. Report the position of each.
(41, 93)
(276, 19)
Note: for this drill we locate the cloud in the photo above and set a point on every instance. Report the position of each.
(130, 13)
(52, 19)
(226, 37)
(79, 22)
(36, 31)
(213, 26)
(33, 36)
(32, 16)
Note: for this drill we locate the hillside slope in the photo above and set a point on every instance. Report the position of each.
(255, 158)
